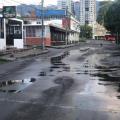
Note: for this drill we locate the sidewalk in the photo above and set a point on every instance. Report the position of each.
(64, 46)
(16, 54)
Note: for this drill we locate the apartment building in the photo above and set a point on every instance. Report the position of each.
(87, 12)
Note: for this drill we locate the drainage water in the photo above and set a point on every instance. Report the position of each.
(14, 86)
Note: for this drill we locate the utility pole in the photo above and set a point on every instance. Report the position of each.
(66, 22)
(42, 16)
(68, 14)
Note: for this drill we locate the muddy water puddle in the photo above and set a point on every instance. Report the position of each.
(107, 79)
(86, 66)
(15, 86)
(90, 68)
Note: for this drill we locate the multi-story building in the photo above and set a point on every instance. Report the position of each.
(63, 4)
(87, 12)
(77, 10)
(82, 12)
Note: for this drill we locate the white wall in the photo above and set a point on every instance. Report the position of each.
(18, 43)
(3, 40)
(2, 44)
(75, 25)
(73, 37)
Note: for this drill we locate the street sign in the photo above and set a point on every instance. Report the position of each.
(9, 11)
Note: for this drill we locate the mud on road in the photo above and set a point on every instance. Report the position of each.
(81, 85)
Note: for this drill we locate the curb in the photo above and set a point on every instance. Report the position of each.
(25, 56)
(63, 47)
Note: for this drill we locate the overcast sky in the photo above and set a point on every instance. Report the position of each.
(14, 2)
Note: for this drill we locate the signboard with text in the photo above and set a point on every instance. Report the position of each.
(9, 11)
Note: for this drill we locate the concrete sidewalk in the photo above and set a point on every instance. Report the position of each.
(13, 55)
(64, 46)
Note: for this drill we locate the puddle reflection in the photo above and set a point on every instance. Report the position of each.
(106, 79)
(14, 86)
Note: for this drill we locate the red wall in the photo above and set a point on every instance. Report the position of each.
(37, 41)
(66, 23)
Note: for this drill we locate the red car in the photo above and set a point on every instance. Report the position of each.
(110, 37)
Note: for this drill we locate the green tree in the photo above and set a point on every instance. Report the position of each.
(85, 31)
(104, 6)
(112, 18)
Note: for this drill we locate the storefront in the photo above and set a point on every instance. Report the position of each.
(53, 35)
(14, 33)
(11, 33)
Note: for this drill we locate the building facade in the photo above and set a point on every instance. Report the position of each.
(53, 35)
(66, 4)
(77, 10)
(82, 12)
(87, 12)
(11, 33)
(58, 30)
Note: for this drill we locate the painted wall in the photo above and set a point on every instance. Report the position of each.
(18, 43)
(3, 40)
(37, 41)
(73, 37)
(2, 44)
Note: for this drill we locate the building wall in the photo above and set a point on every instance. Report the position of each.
(3, 40)
(34, 35)
(37, 41)
(63, 4)
(87, 12)
(59, 25)
(77, 10)
(99, 30)
(73, 37)
(2, 44)
(57, 36)
(19, 43)
(74, 25)
(82, 12)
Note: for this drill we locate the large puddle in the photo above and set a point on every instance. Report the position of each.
(88, 66)
(15, 86)
(108, 79)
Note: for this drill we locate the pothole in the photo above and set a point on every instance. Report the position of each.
(15, 86)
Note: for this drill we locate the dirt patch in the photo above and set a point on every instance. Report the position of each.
(64, 83)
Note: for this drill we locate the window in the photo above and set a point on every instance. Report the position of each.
(1, 28)
(86, 9)
(17, 30)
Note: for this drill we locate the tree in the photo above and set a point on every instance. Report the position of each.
(104, 6)
(85, 31)
(112, 18)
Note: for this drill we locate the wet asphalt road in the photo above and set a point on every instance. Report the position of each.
(81, 84)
